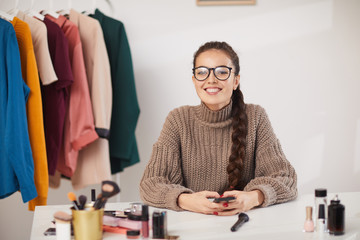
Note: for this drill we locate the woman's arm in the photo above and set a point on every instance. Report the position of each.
(275, 180)
(162, 181)
(275, 177)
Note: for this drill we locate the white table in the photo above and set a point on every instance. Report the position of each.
(283, 221)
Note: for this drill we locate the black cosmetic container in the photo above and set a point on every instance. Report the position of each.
(336, 217)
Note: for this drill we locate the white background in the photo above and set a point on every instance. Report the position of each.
(299, 59)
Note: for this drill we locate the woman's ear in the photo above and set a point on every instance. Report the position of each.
(193, 79)
(236, 81)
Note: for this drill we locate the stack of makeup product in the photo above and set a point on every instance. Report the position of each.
(329, 219)
(133, 221)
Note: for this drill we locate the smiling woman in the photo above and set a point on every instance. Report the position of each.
(222, 147)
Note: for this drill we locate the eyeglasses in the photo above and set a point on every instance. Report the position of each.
(221, 72)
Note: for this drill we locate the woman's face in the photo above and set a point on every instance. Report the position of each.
(214, 93)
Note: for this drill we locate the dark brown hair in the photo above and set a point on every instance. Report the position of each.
(239, 118)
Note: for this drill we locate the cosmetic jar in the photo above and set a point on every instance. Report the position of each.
(136, 208)
(132, 234)
(320, 198)
(63, 227)
(336, 217)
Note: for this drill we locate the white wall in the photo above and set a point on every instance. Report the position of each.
(299, 59)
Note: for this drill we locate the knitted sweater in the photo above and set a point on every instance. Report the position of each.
(193, 150)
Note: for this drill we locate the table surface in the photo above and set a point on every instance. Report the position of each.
(282, 221)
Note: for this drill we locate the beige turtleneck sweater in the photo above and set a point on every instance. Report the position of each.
(193, 151)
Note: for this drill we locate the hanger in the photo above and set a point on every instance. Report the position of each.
(32, 13)
(9, 16)
(6, 16)
(50, 11)
(92, 9)
(66, 12)
(14, 10)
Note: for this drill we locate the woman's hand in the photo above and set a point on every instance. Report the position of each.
(199, 202)
(244, 201)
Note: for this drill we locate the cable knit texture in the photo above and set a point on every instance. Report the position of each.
(193, 151)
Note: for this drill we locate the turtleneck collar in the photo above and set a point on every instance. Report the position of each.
(207, 115)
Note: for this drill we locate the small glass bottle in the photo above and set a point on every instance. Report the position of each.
(336, 217)
(320, 221)
(321, 198)
(309, 223)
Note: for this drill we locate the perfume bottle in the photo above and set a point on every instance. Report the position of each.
(309, 223)
(321, 199)
(336, 217)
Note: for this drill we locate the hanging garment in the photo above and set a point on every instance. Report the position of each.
(125, 108)
(93, 165)
(79, 129)
(16, 161)
(33, 111)
(41, 48)
(56, 95)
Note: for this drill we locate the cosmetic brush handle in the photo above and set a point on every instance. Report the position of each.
(103, 203)
(98, 203)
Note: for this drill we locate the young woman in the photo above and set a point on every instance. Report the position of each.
(222, 147)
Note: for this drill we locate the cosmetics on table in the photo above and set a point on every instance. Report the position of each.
(63, 226)
(321, 199)
(320, 221)
(145, 221)
(132, 234)
(336, 217)
(309, 223)
(242, 218)
(159, 224)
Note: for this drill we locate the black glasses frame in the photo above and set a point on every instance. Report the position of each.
(213, 69)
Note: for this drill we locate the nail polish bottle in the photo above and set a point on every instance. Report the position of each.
(336, 217)
(309, 224)
(320, 221)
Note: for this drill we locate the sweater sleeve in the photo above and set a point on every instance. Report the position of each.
(162, 181)
(274, 175)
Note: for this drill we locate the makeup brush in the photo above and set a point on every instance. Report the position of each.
(98, 202)
(108, 189)
(82, 202)
(72, 198)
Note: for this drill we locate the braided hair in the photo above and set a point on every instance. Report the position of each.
(239, 118)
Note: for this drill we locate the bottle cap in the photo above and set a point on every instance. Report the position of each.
(320, 192)
(321, 211)
(308, 213)
(336, 200)
(145, 212)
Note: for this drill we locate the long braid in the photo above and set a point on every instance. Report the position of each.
(239, 118)
(238, 137)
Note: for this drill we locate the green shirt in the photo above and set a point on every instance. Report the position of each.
(125, 108)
